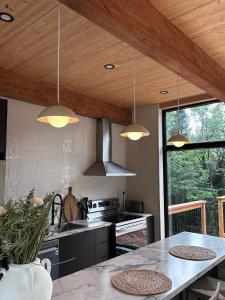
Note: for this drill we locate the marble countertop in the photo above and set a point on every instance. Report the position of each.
(94, 283)
(88, 225)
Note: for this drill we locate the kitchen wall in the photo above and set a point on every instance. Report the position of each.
(2, 180)
(48, 159)
(145, 158)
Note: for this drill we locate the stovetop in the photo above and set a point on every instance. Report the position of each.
(120, 218)
(108, 210)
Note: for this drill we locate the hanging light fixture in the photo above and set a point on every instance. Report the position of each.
(58, 115)
(178, 140)
(134, 131)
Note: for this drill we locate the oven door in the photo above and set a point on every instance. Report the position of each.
(132, 234)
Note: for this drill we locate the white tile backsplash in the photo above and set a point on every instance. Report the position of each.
(2, 176)
(48, 159)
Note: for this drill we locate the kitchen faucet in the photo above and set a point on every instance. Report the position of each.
(54, 211)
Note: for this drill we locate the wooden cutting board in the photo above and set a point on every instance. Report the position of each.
(71, 210)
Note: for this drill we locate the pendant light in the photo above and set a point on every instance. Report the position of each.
(58, 115)
(134, 131)
(178, 140)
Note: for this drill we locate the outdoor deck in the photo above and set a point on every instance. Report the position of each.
(201, 204)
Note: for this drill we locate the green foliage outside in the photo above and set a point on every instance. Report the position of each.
(197, 174)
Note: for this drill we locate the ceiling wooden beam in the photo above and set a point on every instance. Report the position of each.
(142, 26)
(186, 101)
(17, 86)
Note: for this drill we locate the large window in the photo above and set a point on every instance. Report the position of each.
(194, 175)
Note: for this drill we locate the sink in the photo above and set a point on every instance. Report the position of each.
(70, 226)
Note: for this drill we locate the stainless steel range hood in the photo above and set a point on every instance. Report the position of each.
(104, 166)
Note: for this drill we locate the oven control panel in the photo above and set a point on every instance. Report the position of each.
(100, 205)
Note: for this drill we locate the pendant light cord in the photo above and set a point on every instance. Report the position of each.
(178, 103)
(58, 55)
(134, 82)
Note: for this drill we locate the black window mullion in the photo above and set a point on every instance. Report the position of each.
(203, 145)
(165, 177)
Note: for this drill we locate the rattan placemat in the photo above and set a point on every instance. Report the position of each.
(141, 282)
(192, 252)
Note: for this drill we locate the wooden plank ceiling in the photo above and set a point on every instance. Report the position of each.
(28, 47)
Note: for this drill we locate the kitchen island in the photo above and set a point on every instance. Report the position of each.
(94, 283)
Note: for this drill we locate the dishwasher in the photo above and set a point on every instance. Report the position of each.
(50, 250)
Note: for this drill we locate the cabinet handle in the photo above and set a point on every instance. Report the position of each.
(65, 261)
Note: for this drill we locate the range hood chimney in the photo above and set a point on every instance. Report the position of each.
(104, 166)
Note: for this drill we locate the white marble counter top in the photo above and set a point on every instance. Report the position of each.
(94, 283)
(88, 225)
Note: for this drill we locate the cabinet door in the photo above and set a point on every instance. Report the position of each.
(79, 249)
(105, 243)
(150, 230)
(69, 255)
(87, 249)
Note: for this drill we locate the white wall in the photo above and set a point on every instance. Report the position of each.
(2, 180)
(48, 159)
(143, 158)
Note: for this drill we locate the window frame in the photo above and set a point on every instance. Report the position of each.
(168, 148)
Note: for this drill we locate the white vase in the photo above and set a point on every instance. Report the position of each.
(26, 282)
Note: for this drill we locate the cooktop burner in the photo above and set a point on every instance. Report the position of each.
(120, 218)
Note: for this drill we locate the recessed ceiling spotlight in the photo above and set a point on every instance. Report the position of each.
(163, 92)
(109, 66)
(5, 17)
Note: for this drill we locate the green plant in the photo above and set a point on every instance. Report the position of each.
(23, 228)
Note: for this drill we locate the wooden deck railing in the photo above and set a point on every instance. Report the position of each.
(220, 201)
(183, 207)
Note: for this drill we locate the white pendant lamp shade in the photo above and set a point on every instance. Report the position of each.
(134, 131)
(178, 140)
(58, 115)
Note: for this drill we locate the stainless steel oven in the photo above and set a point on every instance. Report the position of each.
(134, 233)
(132, 229)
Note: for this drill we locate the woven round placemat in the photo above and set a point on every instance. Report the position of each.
(141, 282)
(192, 252)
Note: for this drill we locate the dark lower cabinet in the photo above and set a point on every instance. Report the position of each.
(76, 252)
(105, 244)
(150, 230)
(68, 253)
(85, 249)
